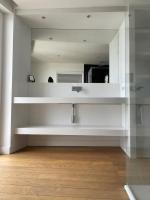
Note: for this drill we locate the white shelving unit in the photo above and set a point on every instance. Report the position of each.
(72, 130)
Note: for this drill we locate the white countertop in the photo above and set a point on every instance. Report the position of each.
(69, 100)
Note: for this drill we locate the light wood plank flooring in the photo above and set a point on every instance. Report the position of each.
(63, 173)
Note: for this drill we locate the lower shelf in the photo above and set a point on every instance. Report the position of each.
(72, 130)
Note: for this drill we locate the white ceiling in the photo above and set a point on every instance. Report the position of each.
(38, 4)
(102, 20)
(63, 52)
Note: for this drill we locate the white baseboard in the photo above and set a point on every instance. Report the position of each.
(9, 150)
(73, 141)
(5, 150)
(129, 192)
(63, 141)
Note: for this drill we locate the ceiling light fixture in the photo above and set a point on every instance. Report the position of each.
(43, 17)
(84, 40)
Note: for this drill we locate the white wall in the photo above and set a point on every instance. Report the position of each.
(42, 71)
(114, 59)
(122, 56)
(7, 68)
(120, 73)
(125, 142)
(59, 114)
(1, 43)
(65, 90)
(117, 57)
(16, 66)
(21, 68)
(92, 115)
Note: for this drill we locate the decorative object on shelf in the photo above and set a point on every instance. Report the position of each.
(30, 78)
(106, 79)
(50, 79)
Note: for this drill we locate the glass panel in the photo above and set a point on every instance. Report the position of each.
(1, 31)
(139, 164)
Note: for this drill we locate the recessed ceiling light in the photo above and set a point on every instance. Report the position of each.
(50, 38)
(43, 17)
(89, 16)
(84, 40)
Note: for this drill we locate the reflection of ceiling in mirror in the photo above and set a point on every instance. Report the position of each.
(102, 37)
(63, 52)
(80, 46)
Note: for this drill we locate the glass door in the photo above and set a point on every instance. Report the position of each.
(1, 32)
(139, 163)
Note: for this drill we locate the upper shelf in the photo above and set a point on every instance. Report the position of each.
(69, 100)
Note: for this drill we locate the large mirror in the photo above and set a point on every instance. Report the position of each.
(82, 55)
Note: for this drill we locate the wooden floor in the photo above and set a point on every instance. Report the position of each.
(63, 174)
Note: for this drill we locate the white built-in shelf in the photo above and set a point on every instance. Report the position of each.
(69, 100)
(72, 130)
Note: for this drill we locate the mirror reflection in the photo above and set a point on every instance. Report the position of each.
(77, 55)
